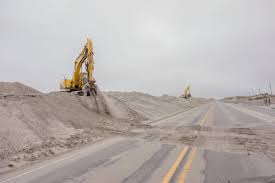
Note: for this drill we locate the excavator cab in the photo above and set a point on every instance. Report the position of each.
(68, 84)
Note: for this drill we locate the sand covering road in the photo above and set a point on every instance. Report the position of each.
(36, 125)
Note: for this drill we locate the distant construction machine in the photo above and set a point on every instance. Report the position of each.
(186, 94)
(82, 82)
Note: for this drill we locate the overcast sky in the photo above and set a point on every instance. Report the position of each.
(224, 47)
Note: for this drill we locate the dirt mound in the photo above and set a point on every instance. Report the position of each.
(151, 107)
(16, 88)
(36, 126)
(257, 100)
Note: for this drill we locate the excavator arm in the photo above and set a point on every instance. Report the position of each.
(87, 52)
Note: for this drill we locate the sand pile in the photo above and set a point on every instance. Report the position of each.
(151, 107)
(250, 100)
(36, 126)
(16, 88)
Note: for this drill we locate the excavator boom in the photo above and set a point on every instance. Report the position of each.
(87, 52)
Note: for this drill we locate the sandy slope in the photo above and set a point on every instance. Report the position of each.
(253, 100)
(16, 88)
(151, 107)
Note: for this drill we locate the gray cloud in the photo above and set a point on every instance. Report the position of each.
(224, 47)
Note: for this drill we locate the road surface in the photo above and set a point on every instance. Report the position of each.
(204, 144)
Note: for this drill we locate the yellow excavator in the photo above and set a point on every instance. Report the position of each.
(186, 94)
(82, 82)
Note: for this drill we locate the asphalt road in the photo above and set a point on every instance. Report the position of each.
(150, 159)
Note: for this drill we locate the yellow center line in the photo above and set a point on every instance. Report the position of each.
(204, 119)
(187, 166)
(173, 168)
(170, 173)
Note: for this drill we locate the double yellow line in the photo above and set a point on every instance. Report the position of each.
(182, 177)
(172, 170)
